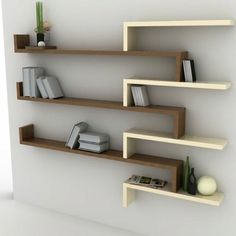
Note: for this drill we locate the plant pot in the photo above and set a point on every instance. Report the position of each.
(40, 37)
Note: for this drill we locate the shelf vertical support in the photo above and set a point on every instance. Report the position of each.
(128, 196)
(21, 41)
(26, 132)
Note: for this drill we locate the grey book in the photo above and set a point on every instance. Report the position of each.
(134, 94)
(41, 87)
(72, 141)
(26, 81)
(52, 87)
(35, 73)
(93, 147)
(144, 96)
(94, 137)
(189, 71)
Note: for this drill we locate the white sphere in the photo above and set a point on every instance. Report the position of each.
(41, 44)
(206, 185)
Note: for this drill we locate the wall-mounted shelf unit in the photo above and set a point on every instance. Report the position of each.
(201, 142)
(174, 166)
(129, 195)
(129, 28)
(22, 41)
(178, 113)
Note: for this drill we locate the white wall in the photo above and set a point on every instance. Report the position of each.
(5, 159)
(92, 188)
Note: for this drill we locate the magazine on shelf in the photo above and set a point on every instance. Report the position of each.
(146, 181)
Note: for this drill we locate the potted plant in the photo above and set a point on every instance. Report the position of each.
(39, 22)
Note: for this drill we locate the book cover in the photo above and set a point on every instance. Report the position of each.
(134, 94)
(189, 71)
(53, 87)
(94, 137)
(41, 87)
(35, 72)
(93, 147)
(144, 95)
(26, 81)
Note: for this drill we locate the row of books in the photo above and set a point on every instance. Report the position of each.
(37, 84)
(140, 95)
(81, 138)
(146, 181)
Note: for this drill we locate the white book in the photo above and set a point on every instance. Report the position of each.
(134, 94)
(94, 137)
(139, 96)
(41, 87)
(144, 94)
(92, 147)
(26, 81)
(52, 87)
(72, 141)
(35, 73)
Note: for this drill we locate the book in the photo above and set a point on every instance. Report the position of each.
(93, 147)
(189, 71)
(52, 87)
(30, 74)
(94, 137)
(140, 95)
(41, 87)
(146, 181)
(35, 73)
(72, 141)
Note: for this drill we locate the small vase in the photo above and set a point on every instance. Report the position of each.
(186, 174)
(40, 37)
(192, 183)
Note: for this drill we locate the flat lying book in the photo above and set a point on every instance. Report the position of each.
(72, 141)
(94, 137)
(93, 147)
(146, 181)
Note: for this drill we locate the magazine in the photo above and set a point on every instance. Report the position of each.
(146, 181)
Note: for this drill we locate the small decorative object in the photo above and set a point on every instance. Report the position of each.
(41, 44)
(192, 183)
(206, 185)
(39, 21)
(186, 174)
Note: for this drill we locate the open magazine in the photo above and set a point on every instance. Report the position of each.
(146, 181)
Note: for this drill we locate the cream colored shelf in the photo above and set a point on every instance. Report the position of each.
(127, 83)
(129, 27)
(187, 140)
(129, 195)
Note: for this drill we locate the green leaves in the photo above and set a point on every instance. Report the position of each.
(39, 17)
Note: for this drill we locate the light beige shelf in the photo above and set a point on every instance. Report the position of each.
(129, 195)
(129, 27)
(187, 140)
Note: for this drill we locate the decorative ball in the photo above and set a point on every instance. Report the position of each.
(206, 185)
(41, 44)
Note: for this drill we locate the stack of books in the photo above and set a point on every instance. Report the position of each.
(146, 181)
(30, 75)
(36, 84)
(140, 95)
(94, 142)
(72, 141)
(189, 71)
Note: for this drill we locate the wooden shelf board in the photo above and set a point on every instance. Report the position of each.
(179, 23)
(187, 140)
(214, 200)
(219, 85)
(140, 159)
(165, 110)
(173, 54)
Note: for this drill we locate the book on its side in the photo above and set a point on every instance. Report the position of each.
(93, 147)
(41, 87)
(26, 81)
(189, 71)
(52, 87)
(94, 137)
(35, 73)
(72, 141)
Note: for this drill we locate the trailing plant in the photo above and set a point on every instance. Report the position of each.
(39, 17)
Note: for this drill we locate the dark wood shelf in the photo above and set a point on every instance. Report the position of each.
(175, 166)
(177, 112)
(21, 41)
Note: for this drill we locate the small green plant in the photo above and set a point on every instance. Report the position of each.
(39, 17)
